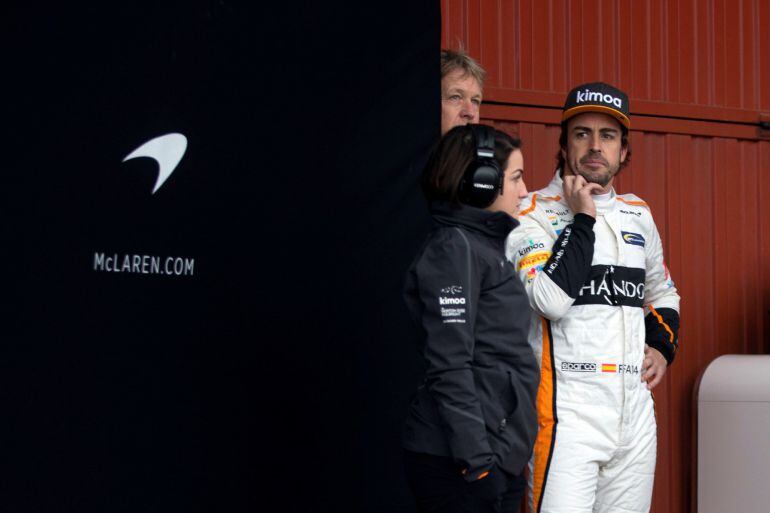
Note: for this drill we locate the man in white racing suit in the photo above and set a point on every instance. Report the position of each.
(606, 317)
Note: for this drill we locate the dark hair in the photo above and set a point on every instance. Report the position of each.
(452, 156)
(563, 145)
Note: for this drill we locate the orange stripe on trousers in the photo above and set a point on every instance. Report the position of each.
(546, 417)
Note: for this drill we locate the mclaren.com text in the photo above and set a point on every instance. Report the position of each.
(143, 264)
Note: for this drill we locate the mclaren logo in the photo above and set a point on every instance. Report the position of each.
(167, 150)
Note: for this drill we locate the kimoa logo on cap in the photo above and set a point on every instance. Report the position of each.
(593, 96)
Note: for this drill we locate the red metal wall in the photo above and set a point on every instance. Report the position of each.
(698, 76)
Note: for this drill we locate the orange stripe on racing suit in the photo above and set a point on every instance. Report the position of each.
(546, 417)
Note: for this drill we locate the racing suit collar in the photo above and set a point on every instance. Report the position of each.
(492, 224)
(605, 203)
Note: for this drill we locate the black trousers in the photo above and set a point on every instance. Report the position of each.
(438, 487)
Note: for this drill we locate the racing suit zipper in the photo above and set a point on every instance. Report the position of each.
(611, 275)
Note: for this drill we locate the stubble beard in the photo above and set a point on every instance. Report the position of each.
(601, 177)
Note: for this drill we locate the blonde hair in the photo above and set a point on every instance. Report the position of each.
(452, 60)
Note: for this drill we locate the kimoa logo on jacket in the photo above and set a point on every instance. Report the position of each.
(451, 300)
(593, 96)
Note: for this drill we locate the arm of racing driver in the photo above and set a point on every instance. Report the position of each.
(661, 301)
(553, 273)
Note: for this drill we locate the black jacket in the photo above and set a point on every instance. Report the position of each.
(477, 404)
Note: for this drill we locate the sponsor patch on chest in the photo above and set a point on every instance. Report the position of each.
(613, 285)
(632, 238)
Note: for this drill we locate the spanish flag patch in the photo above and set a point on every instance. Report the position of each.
(609, 367)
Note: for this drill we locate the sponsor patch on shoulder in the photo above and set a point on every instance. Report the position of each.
(534, 260)
(530, 247)
(533, 272)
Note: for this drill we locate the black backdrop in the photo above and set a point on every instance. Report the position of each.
(276, 375)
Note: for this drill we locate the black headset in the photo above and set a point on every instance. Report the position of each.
(483, 180)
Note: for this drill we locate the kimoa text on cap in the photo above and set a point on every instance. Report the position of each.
(593, 96)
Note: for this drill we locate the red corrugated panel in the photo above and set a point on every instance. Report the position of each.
(762, 66)
(681, 58)
(689, 66)
(763, 274)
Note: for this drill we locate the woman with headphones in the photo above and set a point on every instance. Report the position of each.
(471, 425)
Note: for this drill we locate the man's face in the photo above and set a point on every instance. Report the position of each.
(460, 100)
(594, 148)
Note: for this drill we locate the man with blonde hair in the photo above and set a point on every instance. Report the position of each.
(462, 80)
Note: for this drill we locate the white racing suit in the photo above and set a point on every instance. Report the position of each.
(600, 290)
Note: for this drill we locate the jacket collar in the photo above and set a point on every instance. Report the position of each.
(492, 224)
